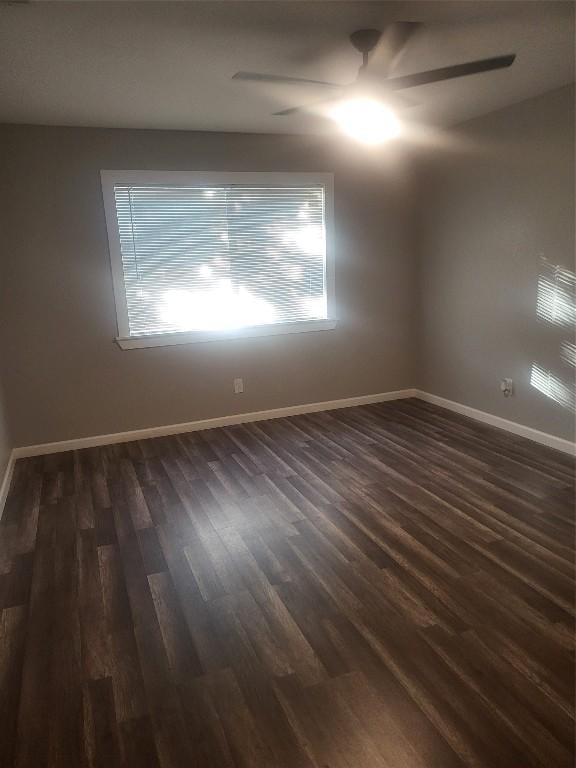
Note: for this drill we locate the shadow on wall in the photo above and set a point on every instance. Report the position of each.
(556, 306)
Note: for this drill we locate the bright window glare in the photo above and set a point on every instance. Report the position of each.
(225, 257)
(220, 308)
(366, 120)
(309, 238)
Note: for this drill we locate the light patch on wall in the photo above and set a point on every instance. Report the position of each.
(568, 353)
(553, 387)
(556, 297)
(556, 304)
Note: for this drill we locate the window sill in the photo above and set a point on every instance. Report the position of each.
(195, 337)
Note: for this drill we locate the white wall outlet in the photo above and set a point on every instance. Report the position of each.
(238, 386)
(507, 387)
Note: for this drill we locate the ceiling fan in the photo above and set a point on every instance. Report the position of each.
(380, 51)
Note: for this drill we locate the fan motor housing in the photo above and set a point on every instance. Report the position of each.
(364, 40)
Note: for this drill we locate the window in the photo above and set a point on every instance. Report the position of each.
(203, 256)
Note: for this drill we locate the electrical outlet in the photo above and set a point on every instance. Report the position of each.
(507, 387)
(238, 386)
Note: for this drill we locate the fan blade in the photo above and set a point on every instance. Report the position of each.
(258, 77)
(290, 111)
(395, 100)
(448, 73)
(303, 108)
(400, 101)
(392, 45)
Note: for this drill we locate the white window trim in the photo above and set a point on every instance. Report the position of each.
(124, 340)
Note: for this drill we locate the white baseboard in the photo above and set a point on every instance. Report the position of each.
(6, 480)
(194, 426)
(276, 413)
(497, 421)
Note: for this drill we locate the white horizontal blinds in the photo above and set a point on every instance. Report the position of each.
(221, 257)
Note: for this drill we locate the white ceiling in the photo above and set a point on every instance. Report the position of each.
(169, 64)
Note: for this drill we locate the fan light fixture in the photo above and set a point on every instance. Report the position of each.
(367, 120)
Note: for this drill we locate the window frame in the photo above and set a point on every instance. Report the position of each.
(124, 340)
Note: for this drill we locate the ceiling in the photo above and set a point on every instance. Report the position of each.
(169, 64)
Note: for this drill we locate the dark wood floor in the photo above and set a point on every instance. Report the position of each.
(379, 587)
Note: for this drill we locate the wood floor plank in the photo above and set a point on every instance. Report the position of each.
(389, 586)
(12, 639)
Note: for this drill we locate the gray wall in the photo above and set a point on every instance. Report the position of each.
(68, 379)
(491, 212)
(449, 305)
(5, 439)
(5, 433)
